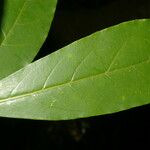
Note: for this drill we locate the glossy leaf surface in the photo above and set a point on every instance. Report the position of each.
(24, 27)
(104, 73)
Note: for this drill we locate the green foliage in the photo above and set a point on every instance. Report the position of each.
(103, 73)
(24, 27)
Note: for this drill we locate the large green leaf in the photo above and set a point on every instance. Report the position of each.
(104, 73)
(24, 27)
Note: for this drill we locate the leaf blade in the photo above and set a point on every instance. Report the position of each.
(25, 25)
(93, 76)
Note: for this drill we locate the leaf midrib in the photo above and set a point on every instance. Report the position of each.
(72, 82)
(14, 24)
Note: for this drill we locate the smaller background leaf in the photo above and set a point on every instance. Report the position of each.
(24, 27)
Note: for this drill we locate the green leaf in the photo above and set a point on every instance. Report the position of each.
(25, 24)
(104, 73)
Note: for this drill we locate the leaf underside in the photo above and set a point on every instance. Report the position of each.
(106, 72)
(24, 27)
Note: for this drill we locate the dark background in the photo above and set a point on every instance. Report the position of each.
(73, 20)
